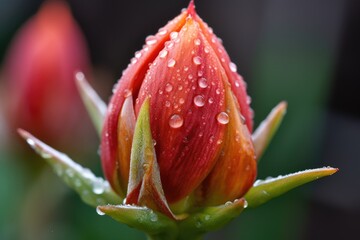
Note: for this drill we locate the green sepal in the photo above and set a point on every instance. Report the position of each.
(267, 129)
(210, 219)
(145, 188)
(93, 190)
(93, 103)
(265, 190)
(154, 224)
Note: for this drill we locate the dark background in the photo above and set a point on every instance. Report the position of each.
(305, 52)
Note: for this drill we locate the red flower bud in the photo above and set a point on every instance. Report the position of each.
(199, 115)
(40, 68)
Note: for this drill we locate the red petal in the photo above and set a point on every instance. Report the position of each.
(235, 170)
(129, 84)
(238, 86)
(187, 92)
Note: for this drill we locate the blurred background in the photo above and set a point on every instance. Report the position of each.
(305, 52)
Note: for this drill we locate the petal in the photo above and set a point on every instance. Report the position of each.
(129, 84)
(145, 187)
(235, 170)
(238, 86)
(187, 93)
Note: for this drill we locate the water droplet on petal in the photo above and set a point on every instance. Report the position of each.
(233, 67)
(223, 118)
(150, 40)
(162, 31)
(237, 84)
(199, 101)
(171, 63)
(211, 100)
(163, 53)
(181, 101)
(127, 93)
(197, 42)
(206, 50)
(174, 35)
(138, 54)
(203, 83)
(176, 121)
(168, 87)
(197, 60)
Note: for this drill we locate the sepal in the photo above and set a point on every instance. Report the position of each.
(93, 190)
(210, 219)
(265, 190)
(155, 224)
(145, 188)
(93, 103)
(267, 129)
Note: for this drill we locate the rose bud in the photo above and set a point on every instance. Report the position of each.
(40, 69)
(199, 115)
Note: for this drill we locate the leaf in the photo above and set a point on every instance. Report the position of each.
(142, 218)
(264, 190)
(267, 129)
(92, 190)
(93, 103)
(210, 219)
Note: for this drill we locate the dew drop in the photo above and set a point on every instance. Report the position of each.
(180, 87)
(206, 50)
(138, 54)
(162, 31)
(203, 83)
(211, 100)
(199, 101)
(246, 204)
(233, 67)
(190, 76)
(163, 53)
(223, 118)
(176, 121)
(168, 87)
(197, 60)
(237, 84)
(127, 93)
(171, 63)
(174, 35)
(200, 73)
(197, 42)
(181, 101)
(98, 211)
(150, 40)
(248, 99)
(31, 142)
(98, 187)
(167, 104)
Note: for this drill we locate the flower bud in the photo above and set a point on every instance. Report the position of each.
(200, 118)
(40, 68)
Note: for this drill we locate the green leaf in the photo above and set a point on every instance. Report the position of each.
(210, 219)
(92, 190)
(264, 190)
(155, 224)
(267, 129)
(93, 103)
